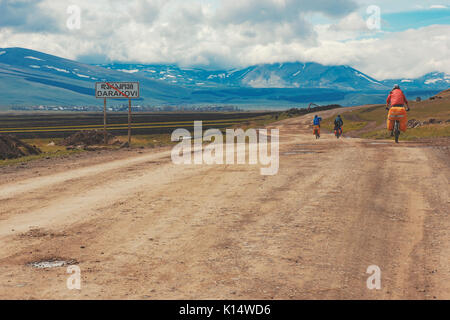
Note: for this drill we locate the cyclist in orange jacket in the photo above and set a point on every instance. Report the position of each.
(397, 101)
(397, 98)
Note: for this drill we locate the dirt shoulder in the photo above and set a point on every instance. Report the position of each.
(140, 227)
(52, 165)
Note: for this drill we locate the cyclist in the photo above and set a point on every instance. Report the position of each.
(397, 101)
(316, 124)
(338, 123)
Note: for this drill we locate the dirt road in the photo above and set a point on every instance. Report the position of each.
(141, 227)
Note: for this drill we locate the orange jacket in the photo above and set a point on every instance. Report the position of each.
(396, 97)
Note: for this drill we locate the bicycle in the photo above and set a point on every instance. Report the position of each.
(396, 118)
(338, 132)
(317, 131)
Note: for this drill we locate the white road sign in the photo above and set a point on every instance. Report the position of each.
(117, 90)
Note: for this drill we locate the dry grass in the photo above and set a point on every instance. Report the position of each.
(51, 149)
(48, 151)
(357, 120)
(428, 131)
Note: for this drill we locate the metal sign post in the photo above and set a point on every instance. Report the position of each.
(129, 122)
(117, 90)
(104, 119)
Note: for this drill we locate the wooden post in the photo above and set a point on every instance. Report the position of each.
(104, 120)
(129, 122)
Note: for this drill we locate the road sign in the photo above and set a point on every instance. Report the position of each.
(117, 90)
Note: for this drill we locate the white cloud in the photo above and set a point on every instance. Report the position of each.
(406, 54)
(188, 32)
(226, 33)
(26, 15)
(438, 6)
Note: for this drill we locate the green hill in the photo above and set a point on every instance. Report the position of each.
(431, 119)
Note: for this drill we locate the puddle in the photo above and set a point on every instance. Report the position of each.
(46, 264)
(380, 143)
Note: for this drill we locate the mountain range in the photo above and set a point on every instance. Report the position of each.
(280, 75)
(29, 77)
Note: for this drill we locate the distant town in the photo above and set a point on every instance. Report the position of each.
(124, 107)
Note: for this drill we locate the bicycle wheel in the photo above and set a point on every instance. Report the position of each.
(396, 130)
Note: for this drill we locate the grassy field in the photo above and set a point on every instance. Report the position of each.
(48, 151)
(429, 131)
(59, 125)
(50, 148)
(350, 125)
(370, 122)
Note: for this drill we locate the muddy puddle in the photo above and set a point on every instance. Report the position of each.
(51, 263)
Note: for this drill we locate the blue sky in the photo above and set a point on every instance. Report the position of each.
(400, 21)
(227, 34)
(401, 18)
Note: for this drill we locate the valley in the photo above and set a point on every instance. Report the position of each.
(42, 79)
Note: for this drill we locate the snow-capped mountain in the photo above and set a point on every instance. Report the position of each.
(280, 75)
(171, 74)
(277, 75)
(29, 76)
(307, 75)
(432, 80)
(32, 77)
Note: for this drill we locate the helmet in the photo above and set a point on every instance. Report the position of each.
(396, 86)
(339, 115)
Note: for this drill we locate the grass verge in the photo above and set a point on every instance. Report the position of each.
(376, 116)
(430, 131)
(349, 125)
(51, 149)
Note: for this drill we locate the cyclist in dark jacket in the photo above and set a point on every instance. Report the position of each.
(338, 122)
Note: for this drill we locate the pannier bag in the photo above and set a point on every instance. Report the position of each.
(397, 113)
(316, 128)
